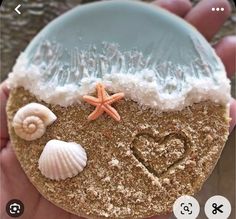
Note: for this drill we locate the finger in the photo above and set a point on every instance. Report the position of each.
(14, 183)
(44, 207)
(208, 22)
(4, 92)
(160, 217)
(232, 114)
(226, 50)
(178, 7)
(76, 217)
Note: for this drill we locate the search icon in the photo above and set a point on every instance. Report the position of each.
(186, 208)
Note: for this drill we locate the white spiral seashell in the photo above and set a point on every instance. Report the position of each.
(31, 120)
(60, 160)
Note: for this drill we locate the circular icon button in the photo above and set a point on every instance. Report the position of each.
(217, 207)
(186, 207)
(15, 208)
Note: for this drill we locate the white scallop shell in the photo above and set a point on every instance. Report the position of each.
(60, 160)
(31, 120)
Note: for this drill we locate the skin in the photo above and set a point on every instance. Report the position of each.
(15, 184)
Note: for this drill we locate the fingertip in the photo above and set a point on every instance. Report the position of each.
(4, 92)
(226, 50)
(207, 21)
(160, 217)
(178, 7)
(4, 88)
(232, 115)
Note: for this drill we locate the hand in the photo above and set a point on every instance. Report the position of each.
(15, 184)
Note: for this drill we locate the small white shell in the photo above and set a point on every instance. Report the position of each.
(60, 160)
(31, 120)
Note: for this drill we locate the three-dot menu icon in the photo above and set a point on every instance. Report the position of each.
(217, 9)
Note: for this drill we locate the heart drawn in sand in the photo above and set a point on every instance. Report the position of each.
(159, 154)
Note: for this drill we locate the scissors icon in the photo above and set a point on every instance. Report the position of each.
(216, 208)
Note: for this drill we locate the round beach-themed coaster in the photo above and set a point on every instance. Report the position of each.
(117, 109)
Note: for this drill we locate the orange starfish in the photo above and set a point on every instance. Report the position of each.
(103, 103)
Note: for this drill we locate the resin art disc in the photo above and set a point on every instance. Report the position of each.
(115, 110)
